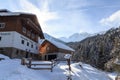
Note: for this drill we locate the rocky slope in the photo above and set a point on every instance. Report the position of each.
(99, 49)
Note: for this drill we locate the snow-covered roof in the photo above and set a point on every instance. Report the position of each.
(41, 41)
(9, 13)
(61, 45)
(13, 13)
(57, 44)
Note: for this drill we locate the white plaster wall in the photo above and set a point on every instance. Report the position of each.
(14, 40)
(6, 39)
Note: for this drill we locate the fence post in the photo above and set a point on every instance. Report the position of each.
(52, 64)
(29, 64)
(23, 61)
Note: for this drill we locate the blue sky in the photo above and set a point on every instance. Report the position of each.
(62, 18)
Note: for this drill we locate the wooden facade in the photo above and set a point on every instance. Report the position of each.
(16, 23)
(50, 51)
(24, 30)
(47, 47)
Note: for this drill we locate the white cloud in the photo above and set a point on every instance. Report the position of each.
(74, 4)
(72, 17)
(42, 13)
(113, 20)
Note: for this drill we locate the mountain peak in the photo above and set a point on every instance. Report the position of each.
(76, 37)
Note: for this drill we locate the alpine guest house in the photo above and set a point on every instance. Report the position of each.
(19, 34)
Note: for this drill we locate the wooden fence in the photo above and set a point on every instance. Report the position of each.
(39, 65)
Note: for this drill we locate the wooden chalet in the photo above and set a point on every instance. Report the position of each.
(19, 33)
(53, 49)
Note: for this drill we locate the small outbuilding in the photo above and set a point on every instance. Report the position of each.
(51, 49)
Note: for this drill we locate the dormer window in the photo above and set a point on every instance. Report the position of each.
(2, 25)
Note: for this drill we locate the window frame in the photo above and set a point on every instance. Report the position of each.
(24, 30)
(28, 33)
(0, 38)
(2, 25)
(33, 35)
(22, 41)
(28, 43)
(31, 45)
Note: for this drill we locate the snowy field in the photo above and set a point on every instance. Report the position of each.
(11, 69)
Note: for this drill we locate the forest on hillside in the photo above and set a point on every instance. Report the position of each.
(98, 50)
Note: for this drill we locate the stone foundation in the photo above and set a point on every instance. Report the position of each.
(17, 53)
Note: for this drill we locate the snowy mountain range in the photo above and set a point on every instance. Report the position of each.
(73, 38)
(76, 37)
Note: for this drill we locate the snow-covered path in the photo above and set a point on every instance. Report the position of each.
(10, 69)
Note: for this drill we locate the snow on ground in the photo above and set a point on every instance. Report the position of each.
(2, 56)
(11, 69)
(112, 75)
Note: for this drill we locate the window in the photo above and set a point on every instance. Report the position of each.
(32, 46)
(0, 38)
(36, 47)
(33, 35)
(2, 50)
(28, 33)
(47, 48)
(24, 30)
(2, 25)
(27, 43)
(17, 52)
(22, 41)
